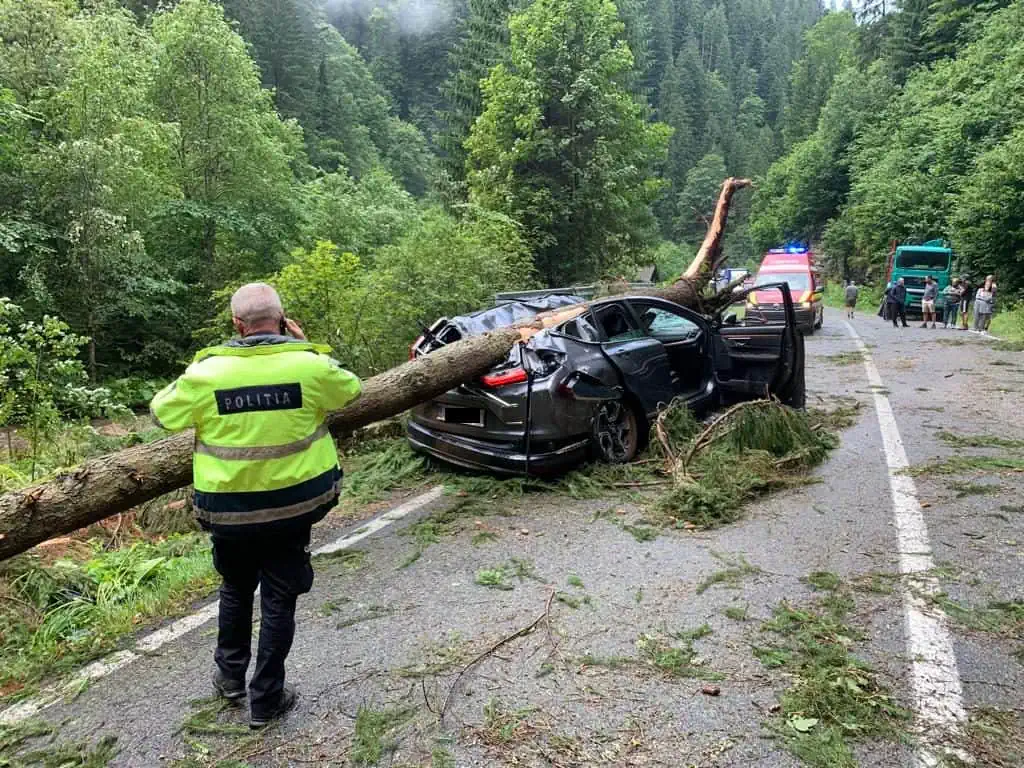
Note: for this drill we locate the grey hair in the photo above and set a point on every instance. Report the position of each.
(256, 304)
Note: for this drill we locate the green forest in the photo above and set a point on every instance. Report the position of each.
(382, 163)
(387, 162)
(913, 129)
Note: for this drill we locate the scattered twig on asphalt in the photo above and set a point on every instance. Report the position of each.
(426, 700)
(489, 651)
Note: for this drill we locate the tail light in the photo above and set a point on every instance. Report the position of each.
(412, 347)
(515, 375)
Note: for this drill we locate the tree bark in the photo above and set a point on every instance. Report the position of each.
(115, 483)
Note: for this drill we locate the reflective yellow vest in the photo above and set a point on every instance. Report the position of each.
(263, 452)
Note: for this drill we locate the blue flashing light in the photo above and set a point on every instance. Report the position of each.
(796, 249)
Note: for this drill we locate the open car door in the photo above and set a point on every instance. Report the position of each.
(761, 360)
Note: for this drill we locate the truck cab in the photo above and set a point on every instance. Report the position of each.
(914, 263)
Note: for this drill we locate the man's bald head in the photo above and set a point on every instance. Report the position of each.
(256, 308)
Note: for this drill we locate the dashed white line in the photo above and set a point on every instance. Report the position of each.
(382, 521)
(934, 677)
(161, 637)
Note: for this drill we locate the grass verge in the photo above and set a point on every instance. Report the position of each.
(868, 298)
(1009, 326)
(54, 617)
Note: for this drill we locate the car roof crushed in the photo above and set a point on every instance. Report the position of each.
(510, 313)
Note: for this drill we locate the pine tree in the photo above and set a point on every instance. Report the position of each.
(637, 34)
(830, 47)
(693, 92)
(715, 52)
(682, 152)
(483, 44)
(562, 145)
(283, 42)
(661, 15)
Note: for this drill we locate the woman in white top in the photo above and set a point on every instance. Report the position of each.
(984, 303)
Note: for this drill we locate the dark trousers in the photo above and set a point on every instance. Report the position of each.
(279, 564)
(952, 308)
(898, 311)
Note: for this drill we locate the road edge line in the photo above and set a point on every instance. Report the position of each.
(934, 674)
(155, 640)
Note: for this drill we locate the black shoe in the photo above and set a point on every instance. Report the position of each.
(289, 696)
(232, 690)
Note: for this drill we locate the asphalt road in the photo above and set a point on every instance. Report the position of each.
(379, 637)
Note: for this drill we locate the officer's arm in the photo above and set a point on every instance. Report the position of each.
(339, 387)
(174, 405)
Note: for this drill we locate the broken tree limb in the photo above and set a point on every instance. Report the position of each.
(105, 486)
(709, 258)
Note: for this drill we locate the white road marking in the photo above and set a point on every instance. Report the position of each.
(382, 521)
(935, 680)
(161, 637)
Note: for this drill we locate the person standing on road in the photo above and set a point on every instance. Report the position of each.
(265, 469)
(851, 298)
(965, 301)
(931, 292)
(952, 298)
(897, 301)
(984, 302)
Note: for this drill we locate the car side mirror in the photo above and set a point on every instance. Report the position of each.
(730, 319)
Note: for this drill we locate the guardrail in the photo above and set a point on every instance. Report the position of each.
(583, 291)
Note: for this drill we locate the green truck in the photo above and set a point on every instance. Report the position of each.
(916, 262)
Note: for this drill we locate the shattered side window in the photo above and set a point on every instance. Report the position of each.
(616, 323)
(581, 329)
(667, 326)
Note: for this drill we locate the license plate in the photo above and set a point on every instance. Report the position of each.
(469, 416)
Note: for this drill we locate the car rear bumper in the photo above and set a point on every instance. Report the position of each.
(495, 457)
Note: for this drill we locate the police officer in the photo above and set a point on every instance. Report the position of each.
(265, 469)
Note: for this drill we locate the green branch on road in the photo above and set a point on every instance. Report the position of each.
(835, 698)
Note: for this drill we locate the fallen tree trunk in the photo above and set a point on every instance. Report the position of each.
(115, 483)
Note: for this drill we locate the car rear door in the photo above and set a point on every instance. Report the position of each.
(762, 360)
(641, 360)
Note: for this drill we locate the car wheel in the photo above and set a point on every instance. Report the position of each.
(821, 318)
(616, 432)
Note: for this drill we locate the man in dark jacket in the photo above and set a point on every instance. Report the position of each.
(265, 469)
(897, 301)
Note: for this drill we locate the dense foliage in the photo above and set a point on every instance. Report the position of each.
(383, 161)
(918, 137)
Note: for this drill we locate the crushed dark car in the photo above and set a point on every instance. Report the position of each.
(589, 387)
